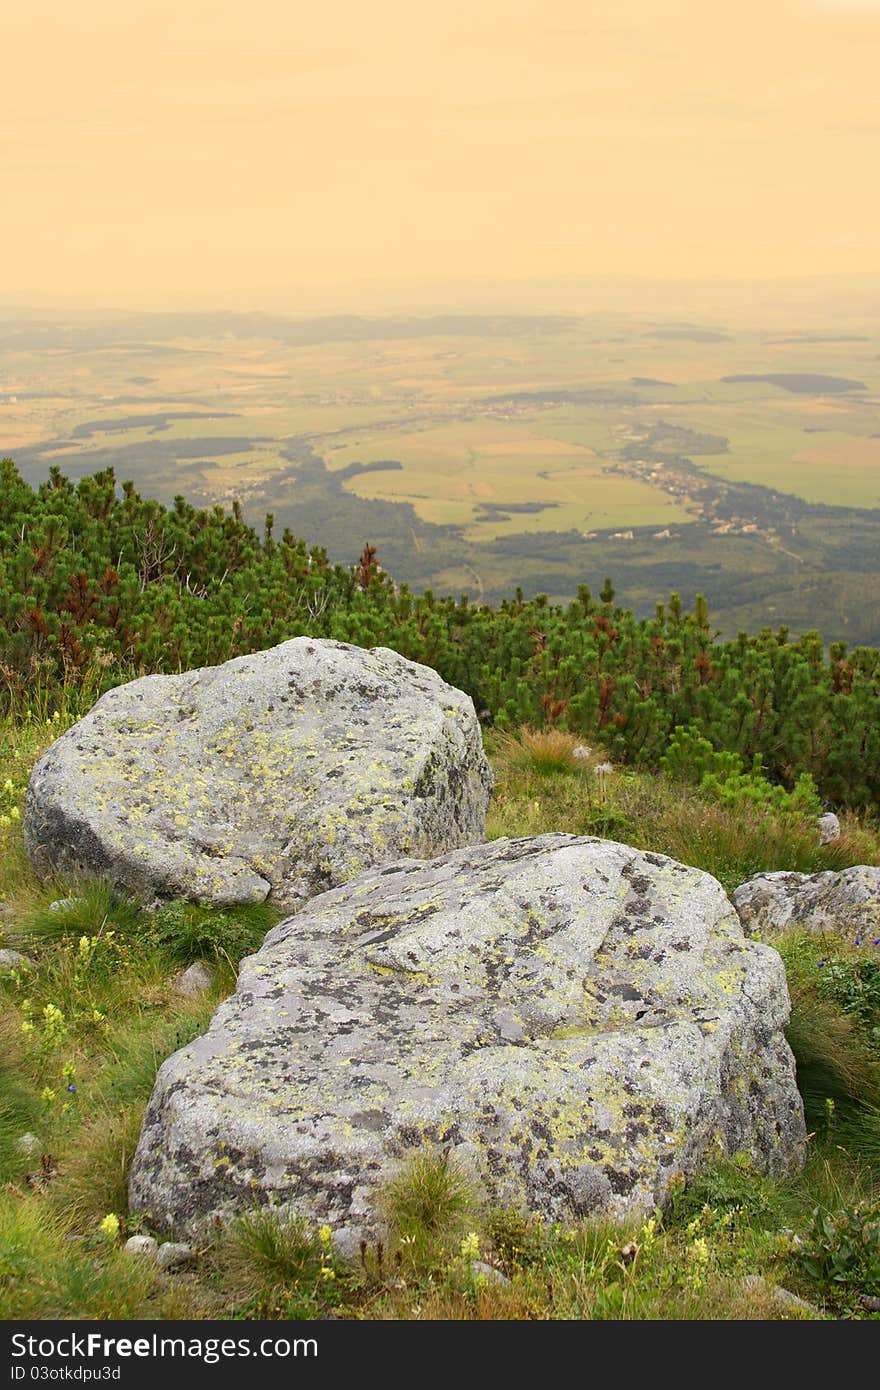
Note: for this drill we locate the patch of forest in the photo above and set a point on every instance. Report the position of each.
(98, 584)
(803, 383)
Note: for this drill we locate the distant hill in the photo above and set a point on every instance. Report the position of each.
(802, 383)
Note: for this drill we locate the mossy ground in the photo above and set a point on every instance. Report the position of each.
(81, 1036)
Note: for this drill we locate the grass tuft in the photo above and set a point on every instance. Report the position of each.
(267, 1251)
(189, 931)
(543, 752)
(87, 908)
(428, 1203)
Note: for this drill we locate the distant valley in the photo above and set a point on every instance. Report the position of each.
(479, 454)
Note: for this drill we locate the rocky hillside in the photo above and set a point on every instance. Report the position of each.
(556, 1071)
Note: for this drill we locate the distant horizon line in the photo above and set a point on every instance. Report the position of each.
(410, 296)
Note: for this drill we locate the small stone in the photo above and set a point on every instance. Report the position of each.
(63, 904)
(828, 827)
(141, 1245)
(197, 978)
(869, 1302)
(488, 1272)
(6, 910)
(14, 960)
(783, 1298)
(28, 1144)
(172, 1255)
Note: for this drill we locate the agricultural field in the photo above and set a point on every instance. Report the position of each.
(498, 477)
(737, 459)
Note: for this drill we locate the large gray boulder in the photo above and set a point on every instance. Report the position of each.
(845, 902)
(577, 1021)
(276, 775)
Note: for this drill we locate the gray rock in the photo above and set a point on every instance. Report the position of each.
(174, 1255)
(276, 775)
(195, 979)
(63, 904)
(488, 1272)
(828, 827)
(14, 960)
(141, 1245)
(6, 911)
(847, 903)
(575, 1021)
(785, 1300)
(28, 1144)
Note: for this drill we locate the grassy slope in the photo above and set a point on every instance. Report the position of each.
(82, 1035)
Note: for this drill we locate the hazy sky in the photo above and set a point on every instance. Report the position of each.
(155, 153)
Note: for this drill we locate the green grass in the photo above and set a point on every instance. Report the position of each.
(276, 1264)
(429, 1203)
(83, 1033)
(540, 786)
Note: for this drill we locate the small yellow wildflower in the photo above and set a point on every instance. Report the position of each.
(109, 1227)
(325, 1236)
(54, 1024)
(470, 1246)
(698, 1251)
(47, 1095)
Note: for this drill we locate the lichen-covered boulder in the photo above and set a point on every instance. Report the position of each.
(846, 902)
(577, 1021)
(276, 775)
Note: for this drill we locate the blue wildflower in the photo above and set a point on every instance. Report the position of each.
(71, 1087)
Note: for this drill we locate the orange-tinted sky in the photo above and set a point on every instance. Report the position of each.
(199, 151)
